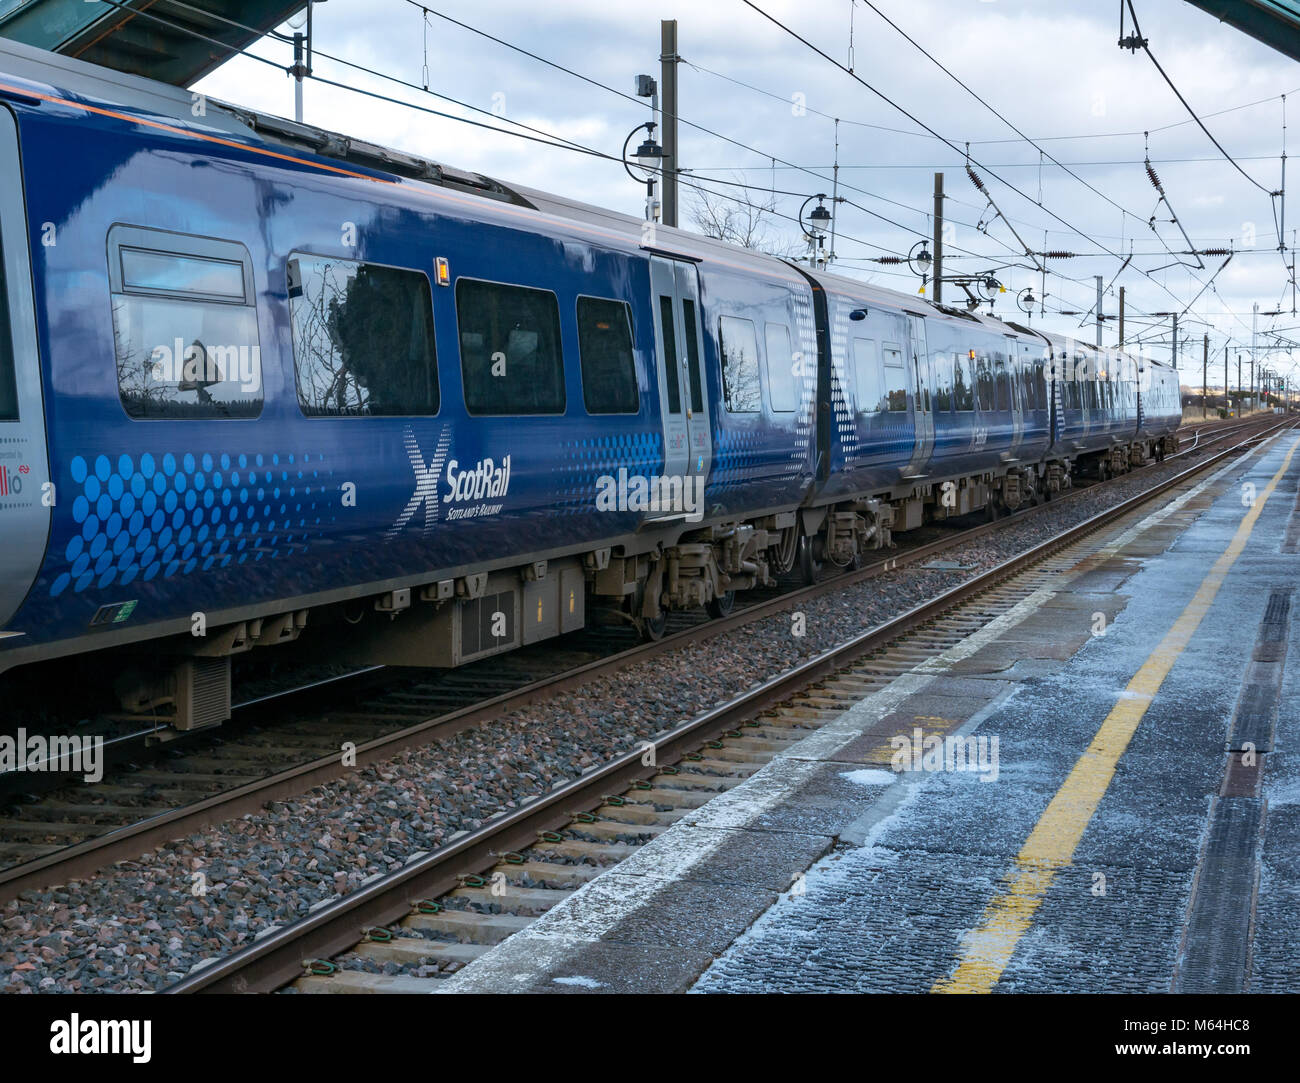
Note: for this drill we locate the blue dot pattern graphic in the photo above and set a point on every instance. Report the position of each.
(582, 463)
(158, 517)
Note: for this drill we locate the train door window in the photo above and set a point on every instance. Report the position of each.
(671, 379)
(363, 341)
(8, 381)
(739, 347)
(867, 386)
(185, 333)
(511, 359)
(782, 385)
(1040, 382)
(920, 357)
(963, 384)
(605, 352)
(693, 356)
(1002, 383)
(895, 379)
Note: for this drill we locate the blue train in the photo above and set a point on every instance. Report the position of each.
(260, 381)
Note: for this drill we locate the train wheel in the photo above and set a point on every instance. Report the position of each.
(722, 605)
(809, 566)
(653, 629)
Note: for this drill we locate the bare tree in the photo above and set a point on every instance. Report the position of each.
(741, 221)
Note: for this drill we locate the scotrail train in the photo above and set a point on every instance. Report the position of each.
(262, 382)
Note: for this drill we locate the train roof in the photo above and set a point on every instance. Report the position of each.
(90, 84)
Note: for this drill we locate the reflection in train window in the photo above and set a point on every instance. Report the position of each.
(185, 332)
(783, 386)
(868, 388)
(511, 360)
(739, 345)
(895, 379)
(362, 339)
(963, 388)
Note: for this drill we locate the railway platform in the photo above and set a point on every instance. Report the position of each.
(1097, 790)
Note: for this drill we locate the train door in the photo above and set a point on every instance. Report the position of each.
(698, 432)
(668, 339)
(1016, 376)
(923, 411)
(24, 463)
(680, 355)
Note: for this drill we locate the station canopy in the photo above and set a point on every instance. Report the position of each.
(1274, 22)
(173, 41)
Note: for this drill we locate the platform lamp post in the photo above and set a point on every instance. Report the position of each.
(300, 69)
(920, 261)
(649, 155)
(814, 228)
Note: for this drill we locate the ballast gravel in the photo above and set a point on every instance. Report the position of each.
(142, 924)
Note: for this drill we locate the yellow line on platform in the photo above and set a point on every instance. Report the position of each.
(1051, 845)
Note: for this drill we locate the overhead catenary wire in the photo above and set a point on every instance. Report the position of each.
(538, 135)
(920, 123)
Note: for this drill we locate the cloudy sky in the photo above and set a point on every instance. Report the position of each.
(1050, 67)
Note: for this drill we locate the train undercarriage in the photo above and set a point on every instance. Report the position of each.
(184, 683)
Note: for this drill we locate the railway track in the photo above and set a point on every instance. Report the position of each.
(444, 909)
(75, 830)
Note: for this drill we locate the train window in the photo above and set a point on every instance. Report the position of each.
(782, 385)
(671, 379)
(362, 339)
(693, 355)
(511, 360)
(740, 387)
(941, 370)
(605, 351)
(184, 326)
(984, 387)
(963, 385)
(1040, 382)
(866, 377)
(169, 273)
(1003, 385)
(1028, 392)
(8, 383)
(895, 379)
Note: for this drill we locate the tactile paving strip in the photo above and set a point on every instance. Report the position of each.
(1252, 724)
(1217, 943)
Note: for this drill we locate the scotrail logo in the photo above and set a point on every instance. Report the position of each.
(471, 491)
